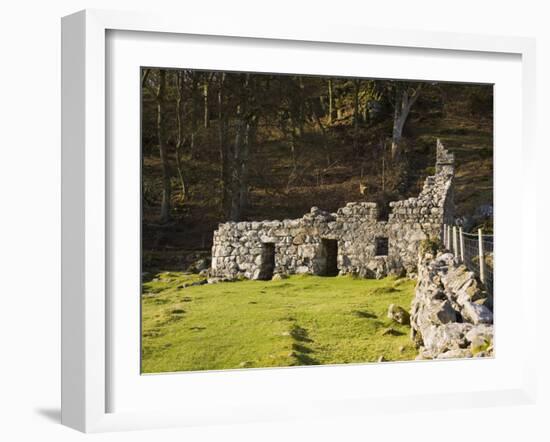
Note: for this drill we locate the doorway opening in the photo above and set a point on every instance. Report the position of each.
(267, 266)
(330, 253)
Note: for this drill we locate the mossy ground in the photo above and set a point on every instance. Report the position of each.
(302, 320)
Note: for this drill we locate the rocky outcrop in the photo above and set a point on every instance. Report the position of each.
(451, 314)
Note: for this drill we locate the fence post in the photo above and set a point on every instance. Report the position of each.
(444, 234)
(455, 244)
(449, 237)
(481, 257)
(461, 238)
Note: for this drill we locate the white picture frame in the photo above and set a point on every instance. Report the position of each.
(86, 352)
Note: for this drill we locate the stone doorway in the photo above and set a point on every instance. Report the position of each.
(330, 254)
(267, 265)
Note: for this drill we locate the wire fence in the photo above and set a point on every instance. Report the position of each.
(475, 250)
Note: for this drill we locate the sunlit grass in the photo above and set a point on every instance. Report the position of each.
(302, 320)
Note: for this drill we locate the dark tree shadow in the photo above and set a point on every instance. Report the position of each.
(300, 334)
(300, 352)
(301, 348)
(304, 359)
(392, 332)
(364, 314)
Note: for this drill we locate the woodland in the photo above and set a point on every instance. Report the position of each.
(219, 146)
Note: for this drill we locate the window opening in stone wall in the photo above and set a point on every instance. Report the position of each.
(382, 246)
(267, 266)
(330, 252)
(384, 210)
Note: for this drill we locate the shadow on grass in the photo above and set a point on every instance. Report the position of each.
(392, 332)
(301, 348)
(364, 314)
(299, 334)
(197, 328)
(304, 359)
(300, 352)
(156, 301)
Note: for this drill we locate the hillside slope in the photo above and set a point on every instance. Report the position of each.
(326, 170)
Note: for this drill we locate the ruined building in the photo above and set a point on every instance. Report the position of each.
(351, 241)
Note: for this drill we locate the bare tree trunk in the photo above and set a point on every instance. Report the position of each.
(324, 132)
(222, 140)
(195, 97)
(301, 105)
(383, 149)
(206, 116)
(144, 76)
(399, 117)
(180, 142)
(357, 84)
(249, 137)
(330, 101)
(239, 175)
(293, 156)
(236, 184)
(288, 130)
(165, 211)
(403, 104)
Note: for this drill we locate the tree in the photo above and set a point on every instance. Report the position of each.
(406, 95)
(291, 117)
(225, 177)
(180, 138)
(205, 88)
(356, 90)
(196, 97)
(204, 115)
(245, 130)
(316, 106)
(156, 86)
(165, 210)
(330, 101)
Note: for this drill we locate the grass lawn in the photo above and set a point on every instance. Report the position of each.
(302, 320)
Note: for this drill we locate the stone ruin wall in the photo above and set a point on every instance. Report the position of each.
(260, 249)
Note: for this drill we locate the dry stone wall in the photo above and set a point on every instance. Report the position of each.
(351, 241)
(451, 314)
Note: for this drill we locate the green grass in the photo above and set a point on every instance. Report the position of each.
(302, 320)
